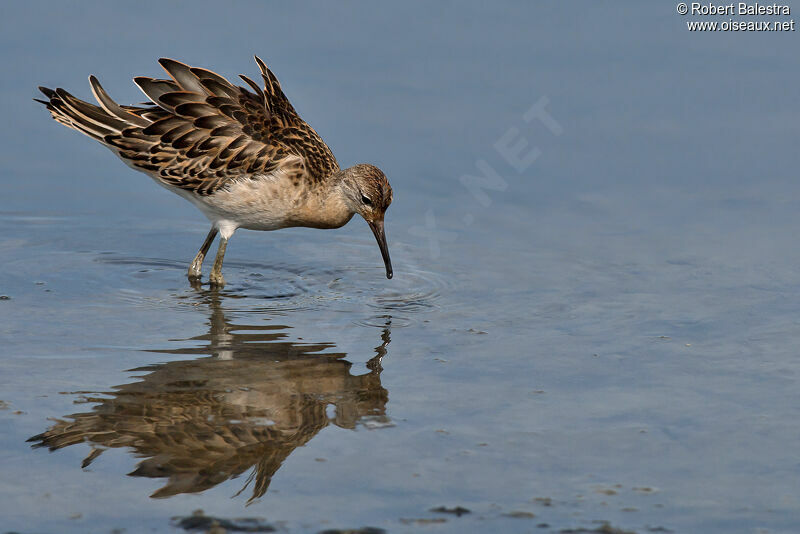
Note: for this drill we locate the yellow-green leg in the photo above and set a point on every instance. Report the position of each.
(215, 278)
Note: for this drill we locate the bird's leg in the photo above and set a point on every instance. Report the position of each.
(197, 263)
(215, 278)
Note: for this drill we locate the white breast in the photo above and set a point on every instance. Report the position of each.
(255, 203)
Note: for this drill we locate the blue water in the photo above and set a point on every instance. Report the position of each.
(604, 329)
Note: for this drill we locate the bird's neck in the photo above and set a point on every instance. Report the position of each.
(326, 207)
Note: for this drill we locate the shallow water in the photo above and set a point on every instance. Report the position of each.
(608, 334)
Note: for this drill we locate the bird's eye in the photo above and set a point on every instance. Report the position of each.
(365, 200)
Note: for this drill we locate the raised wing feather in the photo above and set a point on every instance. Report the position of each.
(201, 131)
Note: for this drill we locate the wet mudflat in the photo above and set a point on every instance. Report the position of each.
(603, 341)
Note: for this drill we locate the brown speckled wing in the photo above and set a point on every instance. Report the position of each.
(201, 131)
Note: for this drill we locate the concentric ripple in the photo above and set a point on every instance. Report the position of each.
(355, 287)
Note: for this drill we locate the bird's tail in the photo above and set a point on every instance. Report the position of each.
(98, 122)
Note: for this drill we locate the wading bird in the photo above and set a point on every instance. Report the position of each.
(245, 159)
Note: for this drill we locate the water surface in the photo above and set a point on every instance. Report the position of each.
(607, 333)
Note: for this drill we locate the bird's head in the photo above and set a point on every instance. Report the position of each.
(368, 193)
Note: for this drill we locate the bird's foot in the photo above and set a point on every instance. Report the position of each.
(194, 272)
(216, 280)
(194, 277)
(195, 283)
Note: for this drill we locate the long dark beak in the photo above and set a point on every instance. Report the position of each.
(380, 235)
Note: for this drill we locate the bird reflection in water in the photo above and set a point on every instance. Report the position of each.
(255, 399)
